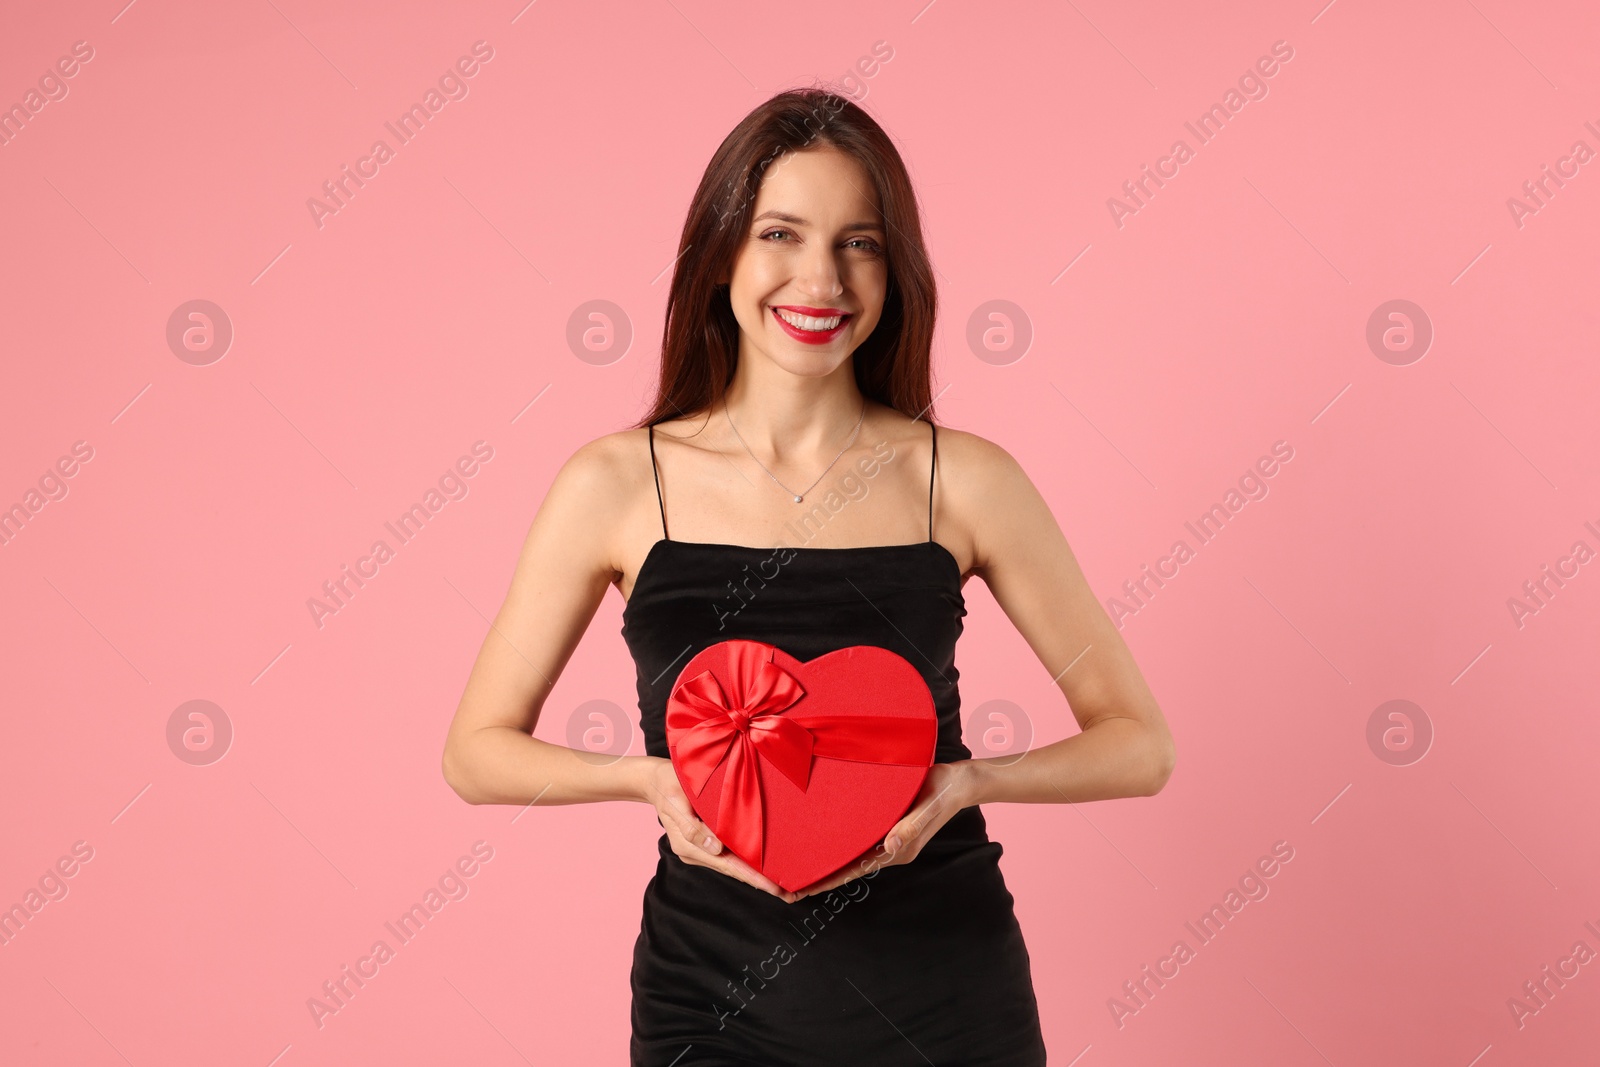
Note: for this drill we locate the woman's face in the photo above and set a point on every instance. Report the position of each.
(808, 283)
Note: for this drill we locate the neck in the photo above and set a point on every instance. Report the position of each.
(783, 416)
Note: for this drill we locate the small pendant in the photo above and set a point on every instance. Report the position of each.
(797, 500)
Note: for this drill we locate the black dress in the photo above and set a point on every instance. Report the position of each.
(918, 963)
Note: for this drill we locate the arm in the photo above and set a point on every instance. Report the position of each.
(1125, 748)
(490, 755)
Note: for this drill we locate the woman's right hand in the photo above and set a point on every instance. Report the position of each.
(691, 839)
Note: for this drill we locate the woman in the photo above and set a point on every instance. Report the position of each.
(789, 487)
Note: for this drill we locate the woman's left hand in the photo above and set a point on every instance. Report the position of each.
(946, 790)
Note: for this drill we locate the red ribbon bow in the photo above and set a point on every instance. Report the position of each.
(749, 721)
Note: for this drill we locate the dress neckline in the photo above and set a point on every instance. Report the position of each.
(650, 556)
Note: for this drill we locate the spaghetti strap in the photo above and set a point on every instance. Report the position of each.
(931, 465)
(657, 472)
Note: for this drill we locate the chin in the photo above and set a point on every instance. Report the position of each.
(809, 364)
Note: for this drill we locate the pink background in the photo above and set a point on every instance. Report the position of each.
(1229, 313)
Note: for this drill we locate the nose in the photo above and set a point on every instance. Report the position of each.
(817, 275)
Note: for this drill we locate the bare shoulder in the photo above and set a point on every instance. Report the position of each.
(594, 495)
(973, 456)
(975, 473)
(614, 454)
(987, 499)
(593, 472)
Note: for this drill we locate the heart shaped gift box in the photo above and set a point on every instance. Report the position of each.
(799, 768)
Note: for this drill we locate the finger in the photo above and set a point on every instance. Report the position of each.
(700, 836)
(902, 844)
(738, 868)
(704, 839)
(907, 830)
(693, 830)
(900, 834)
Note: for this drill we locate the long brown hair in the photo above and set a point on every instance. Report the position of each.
(700, 341)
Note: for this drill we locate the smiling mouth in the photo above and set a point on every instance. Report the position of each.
(812, 329)
(815, 323)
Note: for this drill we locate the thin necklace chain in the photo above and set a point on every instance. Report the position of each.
(800, 496)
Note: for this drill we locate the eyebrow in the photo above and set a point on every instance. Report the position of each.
(782, 216)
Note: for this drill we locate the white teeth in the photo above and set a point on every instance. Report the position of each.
(806, 322)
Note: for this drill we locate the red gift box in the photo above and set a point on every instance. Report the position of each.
(799, 768)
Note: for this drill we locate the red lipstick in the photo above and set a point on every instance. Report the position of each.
(811, 337)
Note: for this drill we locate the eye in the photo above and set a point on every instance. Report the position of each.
(871, 245)
(770, 233)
